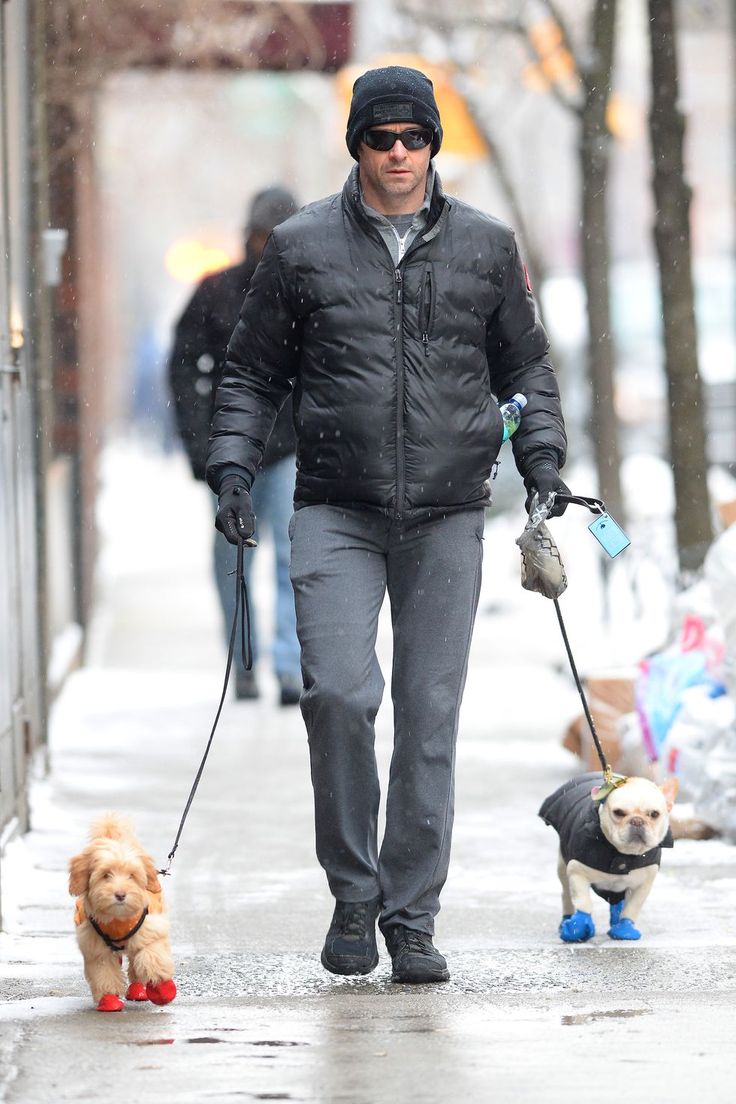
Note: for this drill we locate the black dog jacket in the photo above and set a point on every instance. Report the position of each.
(573, 814)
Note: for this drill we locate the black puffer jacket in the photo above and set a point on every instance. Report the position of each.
(393, 369)
(197, 360)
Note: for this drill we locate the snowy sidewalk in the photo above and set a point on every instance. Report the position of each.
(524, 1018)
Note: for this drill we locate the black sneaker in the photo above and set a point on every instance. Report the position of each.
(350, 946)
(246, 687)
(414, 956)
(291, 689)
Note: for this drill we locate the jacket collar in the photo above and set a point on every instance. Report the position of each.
(439, 204)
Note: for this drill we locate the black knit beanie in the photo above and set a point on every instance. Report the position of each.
(394, 94)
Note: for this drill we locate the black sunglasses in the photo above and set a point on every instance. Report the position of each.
(384, 140)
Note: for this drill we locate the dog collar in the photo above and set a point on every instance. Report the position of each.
(600, 793)
(113, 944)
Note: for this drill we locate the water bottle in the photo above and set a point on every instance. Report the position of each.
(511, 414)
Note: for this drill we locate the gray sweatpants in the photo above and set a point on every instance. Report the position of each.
(342, 562)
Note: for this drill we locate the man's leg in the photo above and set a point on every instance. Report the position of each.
(434, 572)
(338, 570)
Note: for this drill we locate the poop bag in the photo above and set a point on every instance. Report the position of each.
(542, 568)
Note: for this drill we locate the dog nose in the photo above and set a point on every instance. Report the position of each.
(637, 822)
(119, 896)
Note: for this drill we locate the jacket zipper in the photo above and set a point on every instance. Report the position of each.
(400, 459)
(421, 239)
(427, 312)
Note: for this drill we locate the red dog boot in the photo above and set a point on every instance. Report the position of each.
(110, 1002)
(136, 991)
(163, 993)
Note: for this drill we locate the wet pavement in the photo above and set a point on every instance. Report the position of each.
(523, 1018)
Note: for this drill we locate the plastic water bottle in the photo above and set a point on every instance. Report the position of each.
(511, 414)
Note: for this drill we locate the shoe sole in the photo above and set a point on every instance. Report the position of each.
(426, 980)
(348, 972)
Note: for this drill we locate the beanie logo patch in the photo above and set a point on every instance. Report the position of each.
(392, 112)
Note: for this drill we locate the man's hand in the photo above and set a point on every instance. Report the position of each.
(235, 517)
(543, 478)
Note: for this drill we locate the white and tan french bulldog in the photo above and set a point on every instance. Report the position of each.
(611, 840)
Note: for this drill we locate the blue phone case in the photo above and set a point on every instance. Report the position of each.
(609, 535)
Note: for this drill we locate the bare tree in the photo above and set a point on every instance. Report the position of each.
(594, 146)
(672, 240)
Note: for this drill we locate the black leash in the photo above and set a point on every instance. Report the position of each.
(246, 653)
(114, 944)
(596, 506)
(588, 716)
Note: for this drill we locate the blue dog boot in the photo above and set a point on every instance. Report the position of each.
(624, 929)
(578, 928)
(615, 912)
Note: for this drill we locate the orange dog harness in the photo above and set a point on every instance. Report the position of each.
(114, 932)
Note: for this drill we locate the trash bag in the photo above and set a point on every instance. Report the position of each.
(720, 574)
(715, 803)
(700, 724)
(665, 677)
(542, 568)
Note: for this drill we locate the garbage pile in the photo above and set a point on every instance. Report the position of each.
(676, 713)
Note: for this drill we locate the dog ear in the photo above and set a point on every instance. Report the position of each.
(153, 885)
(79, 872)
(669, 788)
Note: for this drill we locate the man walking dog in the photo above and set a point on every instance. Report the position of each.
(397, 316)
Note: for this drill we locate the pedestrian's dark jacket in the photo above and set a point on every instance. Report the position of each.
(574, 815)
(393, 369)
(197, 361)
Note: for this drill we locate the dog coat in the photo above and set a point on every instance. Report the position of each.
(574, 815)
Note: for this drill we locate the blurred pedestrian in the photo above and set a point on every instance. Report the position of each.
(397, 316)
(195, 365)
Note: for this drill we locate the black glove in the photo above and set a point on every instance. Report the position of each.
(543, 478)
(235, 517)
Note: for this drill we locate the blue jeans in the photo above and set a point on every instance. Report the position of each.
(273, 495)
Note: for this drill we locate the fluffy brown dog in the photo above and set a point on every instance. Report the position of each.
(119, 911)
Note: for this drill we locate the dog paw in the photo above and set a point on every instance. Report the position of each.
(161, 993)
(624, 929)
(136, 991)
(110, 1002)
(577, 928)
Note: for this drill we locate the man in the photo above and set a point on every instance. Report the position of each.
(395, 314)
(197, 358)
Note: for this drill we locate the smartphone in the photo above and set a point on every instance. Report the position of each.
(609, 535)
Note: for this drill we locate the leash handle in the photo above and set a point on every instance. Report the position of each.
(595, 505)
(242, 612)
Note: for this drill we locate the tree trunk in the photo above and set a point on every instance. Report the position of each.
(594, 143)
(672, 241)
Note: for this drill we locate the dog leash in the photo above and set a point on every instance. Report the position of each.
(596, 506)
(242, 610)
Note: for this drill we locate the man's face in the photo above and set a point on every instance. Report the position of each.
(394, 182)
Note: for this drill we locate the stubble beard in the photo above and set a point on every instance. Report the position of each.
(401, 186)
